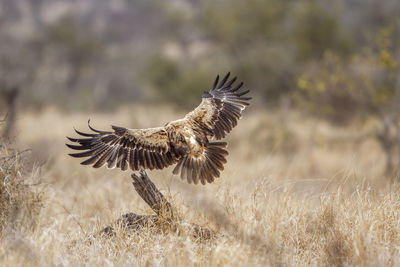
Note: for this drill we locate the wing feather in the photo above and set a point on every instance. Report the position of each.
(185, 141)
(137, 160)
(220, 108)
(123, 148)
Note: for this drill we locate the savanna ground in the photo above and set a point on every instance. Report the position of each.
(295, 192)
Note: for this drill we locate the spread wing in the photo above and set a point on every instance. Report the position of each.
(123, 148)
(220, 108)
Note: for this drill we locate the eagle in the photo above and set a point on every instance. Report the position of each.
(192, 143)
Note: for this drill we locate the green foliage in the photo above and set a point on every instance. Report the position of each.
(178, 83)
(269, 42)
(81, 47)
(316, 31)
(363, 85)
(327, 90)
(237, 23)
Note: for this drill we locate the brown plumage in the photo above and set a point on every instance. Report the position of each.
(185, 141)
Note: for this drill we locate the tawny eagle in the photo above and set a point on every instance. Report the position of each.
(190, 142)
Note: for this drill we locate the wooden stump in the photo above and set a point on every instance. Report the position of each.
(152, 196)
(165, 218)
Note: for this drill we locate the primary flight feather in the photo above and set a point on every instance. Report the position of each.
(190, 142)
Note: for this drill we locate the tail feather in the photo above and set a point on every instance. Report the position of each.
(205, 168)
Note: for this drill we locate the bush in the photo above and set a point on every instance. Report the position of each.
(20, 204)
(179, 83)
(363, 85)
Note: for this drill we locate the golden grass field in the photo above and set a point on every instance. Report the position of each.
(295, 192)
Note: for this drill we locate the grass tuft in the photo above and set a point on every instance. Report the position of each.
(20, 204)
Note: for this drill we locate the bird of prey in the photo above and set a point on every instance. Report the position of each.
(191, 142)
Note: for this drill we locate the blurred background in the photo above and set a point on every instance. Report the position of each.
(333, 62)
(312, 170)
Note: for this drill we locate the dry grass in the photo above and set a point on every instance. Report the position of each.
(295, 192)
(20, 203)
